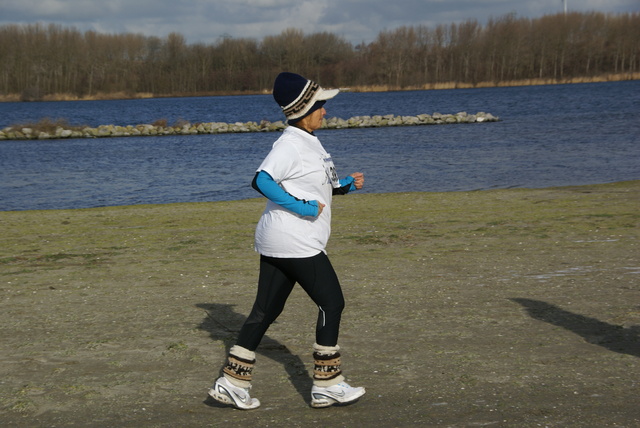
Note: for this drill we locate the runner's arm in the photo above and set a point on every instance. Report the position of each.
(266, 185)
(346, 185)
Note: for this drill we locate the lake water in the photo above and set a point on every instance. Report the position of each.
(548, 136)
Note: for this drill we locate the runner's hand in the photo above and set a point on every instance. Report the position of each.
(359, 180)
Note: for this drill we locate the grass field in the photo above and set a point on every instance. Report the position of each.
(512, 307)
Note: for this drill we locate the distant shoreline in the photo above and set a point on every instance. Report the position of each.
(373, 88)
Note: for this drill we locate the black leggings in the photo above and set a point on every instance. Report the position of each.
(277, 278)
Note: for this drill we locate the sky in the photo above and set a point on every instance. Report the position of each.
(207, 21)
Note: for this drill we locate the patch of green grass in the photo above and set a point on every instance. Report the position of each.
(177, 347)
(183, 244)
(56, 259)
(189, 242)
(73, 389)
(22, 406)
(17, 272)
(96, 344)
(368, 240)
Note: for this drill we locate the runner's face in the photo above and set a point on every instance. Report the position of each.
(314, 120)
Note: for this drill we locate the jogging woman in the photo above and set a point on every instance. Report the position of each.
(298, 178)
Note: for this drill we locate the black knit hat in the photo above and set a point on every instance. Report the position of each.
(298, 96)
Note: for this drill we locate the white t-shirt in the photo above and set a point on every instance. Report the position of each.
(303, 168)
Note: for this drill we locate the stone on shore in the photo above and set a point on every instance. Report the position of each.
(104, 131)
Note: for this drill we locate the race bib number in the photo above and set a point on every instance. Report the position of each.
(330, 169)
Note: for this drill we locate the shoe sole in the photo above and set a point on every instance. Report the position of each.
(318, 403)
(225, 399)
(222, 398)
(326, 401)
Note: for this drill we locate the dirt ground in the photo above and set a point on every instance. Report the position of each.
(506, 308)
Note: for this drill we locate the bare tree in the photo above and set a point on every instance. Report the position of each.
(40, 59)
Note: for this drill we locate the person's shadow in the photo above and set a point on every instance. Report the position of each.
(223, 324)
(616, 338)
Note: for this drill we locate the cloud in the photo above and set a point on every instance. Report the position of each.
(206, 20)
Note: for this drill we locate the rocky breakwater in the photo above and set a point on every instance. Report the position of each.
(102, 131)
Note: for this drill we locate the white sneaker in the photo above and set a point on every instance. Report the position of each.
(227, 393)
(341, 393)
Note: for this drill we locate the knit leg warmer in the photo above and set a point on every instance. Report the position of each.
(326, 371)
(239, 366)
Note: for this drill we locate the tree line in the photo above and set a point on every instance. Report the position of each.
(37, 60)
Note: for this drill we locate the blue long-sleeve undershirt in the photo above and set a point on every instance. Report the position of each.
(266, 185)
